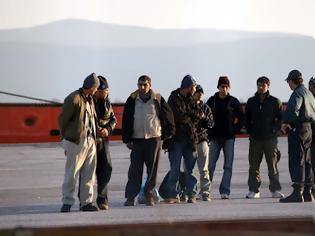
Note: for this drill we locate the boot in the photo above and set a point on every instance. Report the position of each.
(296, 195)
(307, 194)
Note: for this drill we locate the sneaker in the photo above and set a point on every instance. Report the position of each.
(225, 196)
(277, 194)
(206, 198)
(130, 202)
(192, 199)
(89, 207)
(65, 208)
(252, 195)
(171, 200)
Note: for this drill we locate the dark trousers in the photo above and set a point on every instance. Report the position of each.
(300, 167)
(144, 151)
(103, 170)
(258, 148)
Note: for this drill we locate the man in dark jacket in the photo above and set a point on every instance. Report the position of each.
(203, 126)
(311, 87)
(146, 114)
(228, 120)
(263, 123)
(106, 123)
(298, 116)
(186, 116)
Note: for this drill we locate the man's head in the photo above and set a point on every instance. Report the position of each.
(263, 84)
(294, 79)
(188, 85)
(223, 86)
(144, 84)
(103, 88)
(311, 85)
(90, 84)
(199, 93)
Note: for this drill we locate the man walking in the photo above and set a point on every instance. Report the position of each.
(263, 124)
(106, 123)
(299, 114)
(78, 125)
(311, 87)
(186, 116)
(228, 120)
(145, 114)
(203, 126)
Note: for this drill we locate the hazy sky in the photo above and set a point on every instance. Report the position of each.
(296, 16)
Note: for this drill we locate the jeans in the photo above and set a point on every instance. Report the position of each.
(103, 170)
(228, 149)
(182, 149)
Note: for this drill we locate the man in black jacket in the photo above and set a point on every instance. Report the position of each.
(228, 120)
(263, 123)
(106, 123)
(186, 116)
(146, 119)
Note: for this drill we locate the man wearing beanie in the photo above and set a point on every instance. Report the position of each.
(186, 116)
(297, 119)
(143, 124)
(203, 127)
(228, 120)
(78, 127)
(106, 124)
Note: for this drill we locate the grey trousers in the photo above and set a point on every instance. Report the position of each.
(258, 148)
(81, 161)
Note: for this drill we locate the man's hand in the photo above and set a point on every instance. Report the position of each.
(285, 128)
(130, 146)
(103, 132)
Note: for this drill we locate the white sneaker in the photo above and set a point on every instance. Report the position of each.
(252, 195)
(225, 196)
(277, 194)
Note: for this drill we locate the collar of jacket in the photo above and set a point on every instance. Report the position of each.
(88, 98)
(154, 95)
(216, 95)
(267, 95)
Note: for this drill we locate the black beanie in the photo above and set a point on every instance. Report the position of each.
(103, 83)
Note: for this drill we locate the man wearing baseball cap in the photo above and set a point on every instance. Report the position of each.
(297, 119)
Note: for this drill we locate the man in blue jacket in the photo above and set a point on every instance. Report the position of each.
(298, 116)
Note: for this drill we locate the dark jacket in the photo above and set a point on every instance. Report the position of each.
(205, 123)
(164, 113)
(105, 114)
(263, 119)
(228, 116)
(300, 107)
(186, 116)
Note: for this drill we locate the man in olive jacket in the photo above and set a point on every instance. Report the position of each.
(78, 127)
(263, 123)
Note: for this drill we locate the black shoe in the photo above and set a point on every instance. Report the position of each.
(102, 203)
(308, 196)
(89, 207)
(294, 197)
(192, 199)
(149, 201)
(65, 208)
(130, 202)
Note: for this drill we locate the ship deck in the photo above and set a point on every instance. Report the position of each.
(30, 197)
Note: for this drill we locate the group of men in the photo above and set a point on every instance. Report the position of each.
(190, 130)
